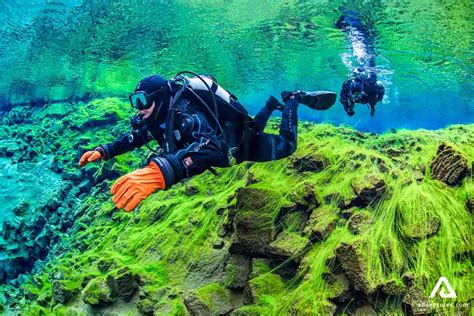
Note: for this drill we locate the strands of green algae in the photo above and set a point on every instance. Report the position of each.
(173, 229)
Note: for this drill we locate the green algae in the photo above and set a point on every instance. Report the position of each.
(418, 225)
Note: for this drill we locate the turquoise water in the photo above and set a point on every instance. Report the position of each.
(26, 184)
(61, 49)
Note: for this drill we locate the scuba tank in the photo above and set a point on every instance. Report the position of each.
(228, 116)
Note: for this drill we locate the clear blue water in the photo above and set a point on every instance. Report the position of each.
(424, 52)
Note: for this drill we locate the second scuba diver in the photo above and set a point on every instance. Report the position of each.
(362, 86)
(198, 125)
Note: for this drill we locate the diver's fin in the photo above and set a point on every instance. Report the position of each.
(318, 100)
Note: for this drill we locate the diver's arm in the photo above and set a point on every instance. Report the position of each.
(206, 151)
(126, 142)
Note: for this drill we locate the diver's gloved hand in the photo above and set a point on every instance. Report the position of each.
(90, 156)
(129, 190)
(273, 104)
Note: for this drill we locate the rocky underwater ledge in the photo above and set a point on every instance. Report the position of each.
(352, 223)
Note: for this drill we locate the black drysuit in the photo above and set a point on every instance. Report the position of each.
(200, 147)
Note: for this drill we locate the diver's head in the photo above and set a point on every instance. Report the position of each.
(349, 107)
(151, 97)
(360, 72)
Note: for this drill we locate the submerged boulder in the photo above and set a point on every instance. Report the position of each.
(288, 244)
(354, 260)
(123, 283)
(309, 162)
(98, 293)
(212, 299)
(360, 222)
(369, 189)
(321, 222)
(448, 166)
(237, 272)
(416, 301)
(254, 227)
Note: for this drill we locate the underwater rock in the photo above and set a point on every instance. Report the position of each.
(156, 301)
(218, 243)
(393, 287)
(426, 226)
(370, 189)
(259, 266)
(190, 189)
(321, 222)
(237, 272)
(288, 244)
(416, 301)
(61, 294)
(309, 162)
(353, 258)
(305, 196)
(105, 265)
(208, 267)
(265, 284)
(254, 229)
(123, 283)
(470, 204)
(211, 299)
(294, 221)
(448, 166)
(339, 287)
(365, 310)
(360, 222)
(97, 293)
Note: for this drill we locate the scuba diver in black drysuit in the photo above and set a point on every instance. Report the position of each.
(362, 86)
(198, 129)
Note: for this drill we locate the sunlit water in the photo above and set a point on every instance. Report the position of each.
(254, 48)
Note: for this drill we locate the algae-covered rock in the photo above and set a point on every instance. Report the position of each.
(448, 166)
(254, 228)
(265, 284)
(98, 293)
(212, 299)
(294, 221)
(259, 266)
(105, 265)
(63, 293)
(321, 222)
(312, 162)
(365, 310)
(250, 310)
(360, 222)
(208, 267)
(123, 283)
(237, 272)
(354, 261)
(470, 204)
(305, 196)
(416, 301)
(393, 287)
(338, 287)
(288, 244)
(369, 189)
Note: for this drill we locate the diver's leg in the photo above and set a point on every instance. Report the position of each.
(261, 119)
(268, 147)
(289, 125)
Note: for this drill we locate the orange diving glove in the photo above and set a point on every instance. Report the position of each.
(89, 156)
(129, 190)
